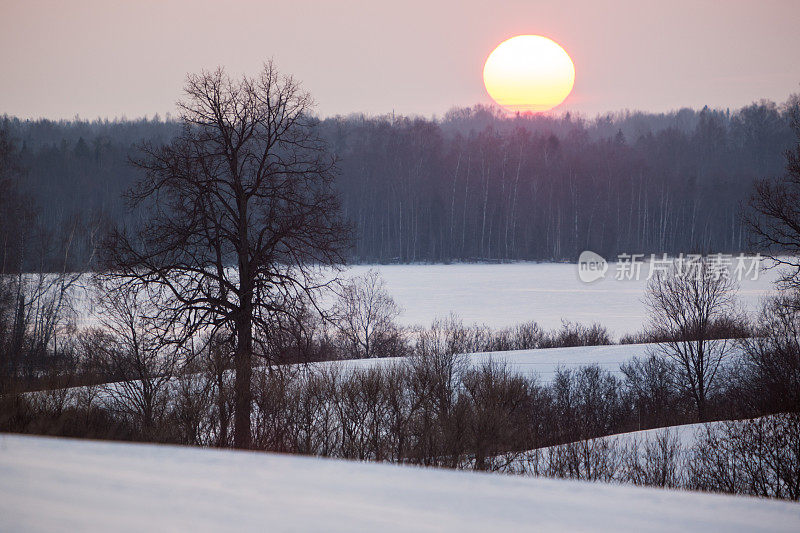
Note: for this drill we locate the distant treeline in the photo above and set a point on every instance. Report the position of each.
(473, 184)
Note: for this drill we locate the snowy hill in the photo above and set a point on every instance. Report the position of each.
(541, 362)
(613, 457)
(49, 484)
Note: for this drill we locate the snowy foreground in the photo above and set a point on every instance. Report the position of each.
(49, 484)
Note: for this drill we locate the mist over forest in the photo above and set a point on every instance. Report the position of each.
(472, 185)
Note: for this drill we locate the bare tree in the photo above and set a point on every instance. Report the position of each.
(498, 398)
(774, 216)
(135, 353)
(649, 386)
(758, 457)
(438, 424)
(659, 462)
(366, 314)
(246, 184)
(684, 308)
(772, 356)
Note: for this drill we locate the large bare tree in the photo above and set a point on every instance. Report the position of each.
(690, 312)
(239, 214)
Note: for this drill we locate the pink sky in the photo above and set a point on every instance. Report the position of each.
(108, 58)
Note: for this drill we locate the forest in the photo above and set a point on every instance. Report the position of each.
(471, 185)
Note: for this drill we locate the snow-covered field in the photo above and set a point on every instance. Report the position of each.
(50, 484)
(542, 363)
(685, 437)
(686, 434)
(737, 455)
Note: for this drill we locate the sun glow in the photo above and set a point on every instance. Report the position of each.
(528, 73)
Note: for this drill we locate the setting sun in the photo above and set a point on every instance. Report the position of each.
(529, 73)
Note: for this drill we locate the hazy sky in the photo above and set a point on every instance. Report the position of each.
(109, 58)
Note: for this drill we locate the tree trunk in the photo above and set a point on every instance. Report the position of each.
(242, 387)
(222, 441)
(701, 409)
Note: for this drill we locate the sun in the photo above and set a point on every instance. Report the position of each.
(529, 73)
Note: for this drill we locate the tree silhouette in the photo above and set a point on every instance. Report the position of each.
(240, 215)
(774, 218)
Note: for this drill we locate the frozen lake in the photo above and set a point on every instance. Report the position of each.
(500, 295)
(505, 294)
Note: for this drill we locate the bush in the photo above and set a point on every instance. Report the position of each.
(759, 457)
(574, 334)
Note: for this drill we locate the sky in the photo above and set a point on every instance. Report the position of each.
(115, 59)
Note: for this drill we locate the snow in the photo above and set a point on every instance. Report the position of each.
(541, 363)
(49, 484)
(501, 295)
(618, 445)
(687, 434)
